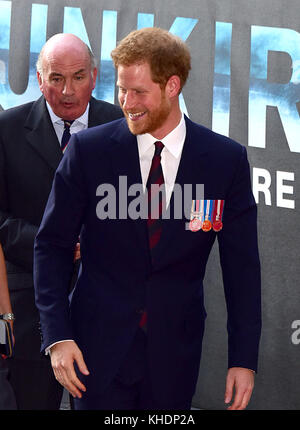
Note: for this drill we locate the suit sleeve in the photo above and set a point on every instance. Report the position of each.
(16, 234)
(54, 246)
(239, 256)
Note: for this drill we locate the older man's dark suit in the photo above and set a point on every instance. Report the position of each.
(118, 278)
(29, 156)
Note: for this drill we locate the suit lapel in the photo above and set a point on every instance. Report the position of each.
(125, 162)
(41, 135)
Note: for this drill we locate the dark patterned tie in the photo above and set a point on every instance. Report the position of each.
(156, 203)
(66, 135)
(155, 199)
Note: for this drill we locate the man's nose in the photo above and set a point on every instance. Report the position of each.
(128, 101)
(68, 89)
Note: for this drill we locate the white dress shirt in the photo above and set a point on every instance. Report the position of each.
(170, 155)
(79, 124)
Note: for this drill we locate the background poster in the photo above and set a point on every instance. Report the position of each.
(245, 84)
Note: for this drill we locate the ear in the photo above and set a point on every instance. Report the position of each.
(94, 76)
(173, 86)
(40, 81)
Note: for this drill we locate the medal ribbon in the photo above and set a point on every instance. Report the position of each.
(195, 209)
(201, 209)
(208, 209)
(218, 210)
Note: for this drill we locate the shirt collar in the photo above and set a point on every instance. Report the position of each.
(83, 119)
(173, 141)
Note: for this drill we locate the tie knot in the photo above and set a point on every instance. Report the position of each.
(67, 123)
(159, 146)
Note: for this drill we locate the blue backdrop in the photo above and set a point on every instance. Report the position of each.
(245, 84)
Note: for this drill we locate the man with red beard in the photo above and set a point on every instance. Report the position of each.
(133, 334)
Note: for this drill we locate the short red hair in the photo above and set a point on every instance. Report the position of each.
(166, 54)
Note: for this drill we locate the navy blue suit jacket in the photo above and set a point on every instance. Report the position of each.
(117, 279)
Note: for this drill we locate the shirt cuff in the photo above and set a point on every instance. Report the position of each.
(47, 350)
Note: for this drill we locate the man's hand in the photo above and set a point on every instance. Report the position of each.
(63, 354)
(242, 381)
(77, 251)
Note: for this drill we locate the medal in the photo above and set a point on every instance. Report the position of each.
(217, 216)
(217, 225)
(206, 226)
(195, 222)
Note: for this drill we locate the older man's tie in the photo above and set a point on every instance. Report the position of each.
(156, 204)
(66, 134)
